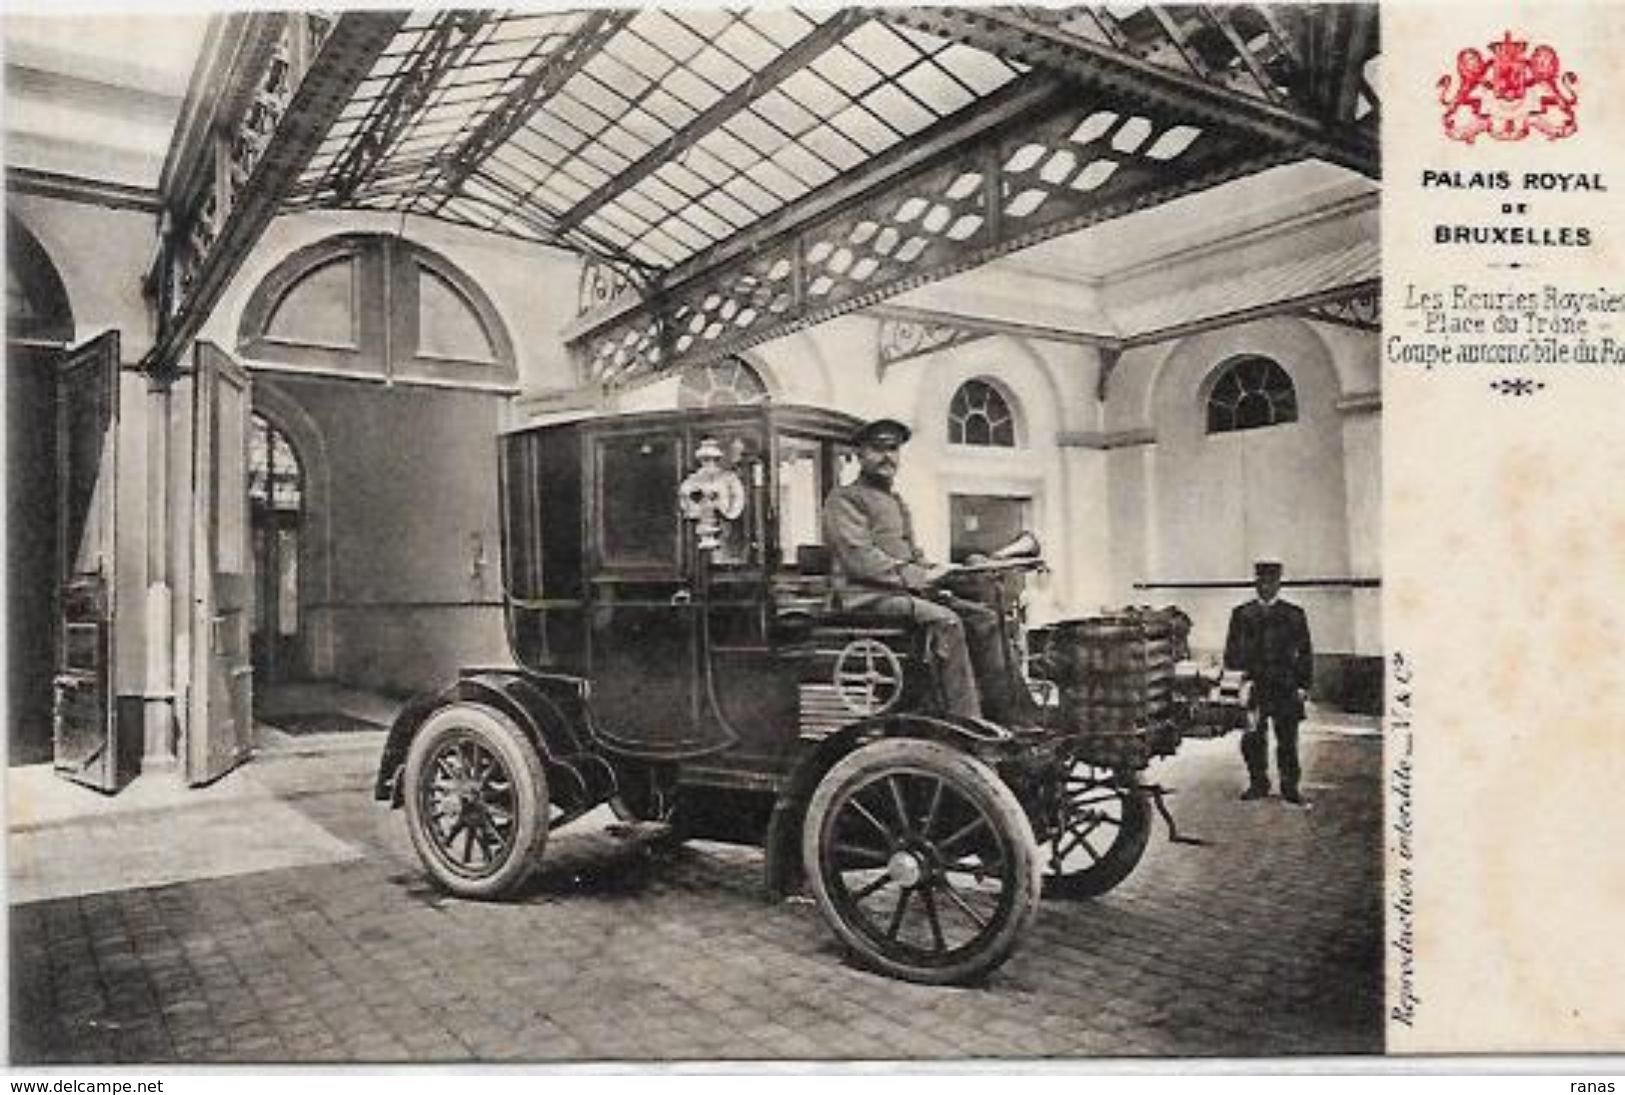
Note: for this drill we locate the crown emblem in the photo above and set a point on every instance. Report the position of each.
(1509, 94)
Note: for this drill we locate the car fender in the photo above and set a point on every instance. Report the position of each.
(546, 708)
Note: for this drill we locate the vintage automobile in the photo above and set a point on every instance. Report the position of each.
(681, 653)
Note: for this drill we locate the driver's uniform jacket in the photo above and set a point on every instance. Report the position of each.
(879, 569)
(871, 535)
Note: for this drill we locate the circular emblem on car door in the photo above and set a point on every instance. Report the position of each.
(868, 677)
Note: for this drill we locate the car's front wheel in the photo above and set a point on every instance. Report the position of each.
(921, 860)
(476, 801)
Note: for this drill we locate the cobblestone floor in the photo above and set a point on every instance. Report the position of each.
(1268, 941)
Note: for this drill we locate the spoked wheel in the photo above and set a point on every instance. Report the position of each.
(476, 801)
(921, 860)
(1103, 827)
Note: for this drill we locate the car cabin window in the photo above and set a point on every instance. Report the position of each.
(638, 476)
(800, 494)
(742, 537)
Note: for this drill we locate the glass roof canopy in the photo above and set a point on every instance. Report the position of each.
(856, 89)
(738, 174)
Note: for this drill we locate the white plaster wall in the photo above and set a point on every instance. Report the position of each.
(1195, 507)
(102, 255)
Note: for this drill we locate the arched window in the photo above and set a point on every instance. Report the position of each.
(1251, 393)
(730, 383)
(376, 306)
(980, 415)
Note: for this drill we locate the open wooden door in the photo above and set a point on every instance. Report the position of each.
(84, 728)
(220, 724)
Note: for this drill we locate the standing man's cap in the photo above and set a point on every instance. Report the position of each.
(1268, 564)
(882, 431)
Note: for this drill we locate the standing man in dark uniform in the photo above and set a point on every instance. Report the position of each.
(880, 569)
(1269, 641)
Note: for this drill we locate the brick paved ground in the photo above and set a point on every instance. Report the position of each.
(1267, 942)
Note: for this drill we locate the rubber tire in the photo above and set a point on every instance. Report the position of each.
(973, 779)
(501, 736)
(1116, 864)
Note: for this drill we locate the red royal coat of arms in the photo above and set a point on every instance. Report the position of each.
(1509, 93)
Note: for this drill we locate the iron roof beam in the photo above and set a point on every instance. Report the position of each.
(404, 100)
(346, 56)
(1013, 36)
(958, 197)
(519, 107)
(817, 42)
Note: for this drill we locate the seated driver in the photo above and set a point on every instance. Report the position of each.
(879, 569)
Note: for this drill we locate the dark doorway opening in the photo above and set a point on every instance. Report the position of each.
(276, 495)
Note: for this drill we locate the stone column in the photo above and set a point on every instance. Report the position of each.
(158, 693)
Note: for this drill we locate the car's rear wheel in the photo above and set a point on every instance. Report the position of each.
(921, 860)
(476, 801)
(1100, 833)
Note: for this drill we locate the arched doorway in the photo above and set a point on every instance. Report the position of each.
(276, 497)
(39, 325)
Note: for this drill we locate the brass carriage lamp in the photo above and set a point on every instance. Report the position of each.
(710, 495)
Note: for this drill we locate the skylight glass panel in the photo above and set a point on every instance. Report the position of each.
(729, 209)
(718, 69)
(707, 166)
(576, 113)
(604, 100)
(611, 73)
(561, 191)
(802, 164)
(881, 47)
(843, 68)
(760, 201)
(863, 127)
(783, 26)
(746, 45)
(682, 180)
(901, 112)
(603, 156)
(708, 222)
(672, 112)
(625, 143)
(643, 207)
(812, 92)
(667, 34)
(645, 126)
(982, 72)
(751, 129)
(639, 56)
(705, 22)
(662, 194)
(690, 89)
(727, 148)
(935, 88)
(834, 149)
(784, 112)
(778, 181)
(686, 234)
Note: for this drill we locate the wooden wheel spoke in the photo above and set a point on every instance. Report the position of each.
(864, 812)
(938, 942)
(897, 915)
(899, 803)
(873, 887)
(873, 856)
(931, 812)
(979, 822)
(964, 906)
